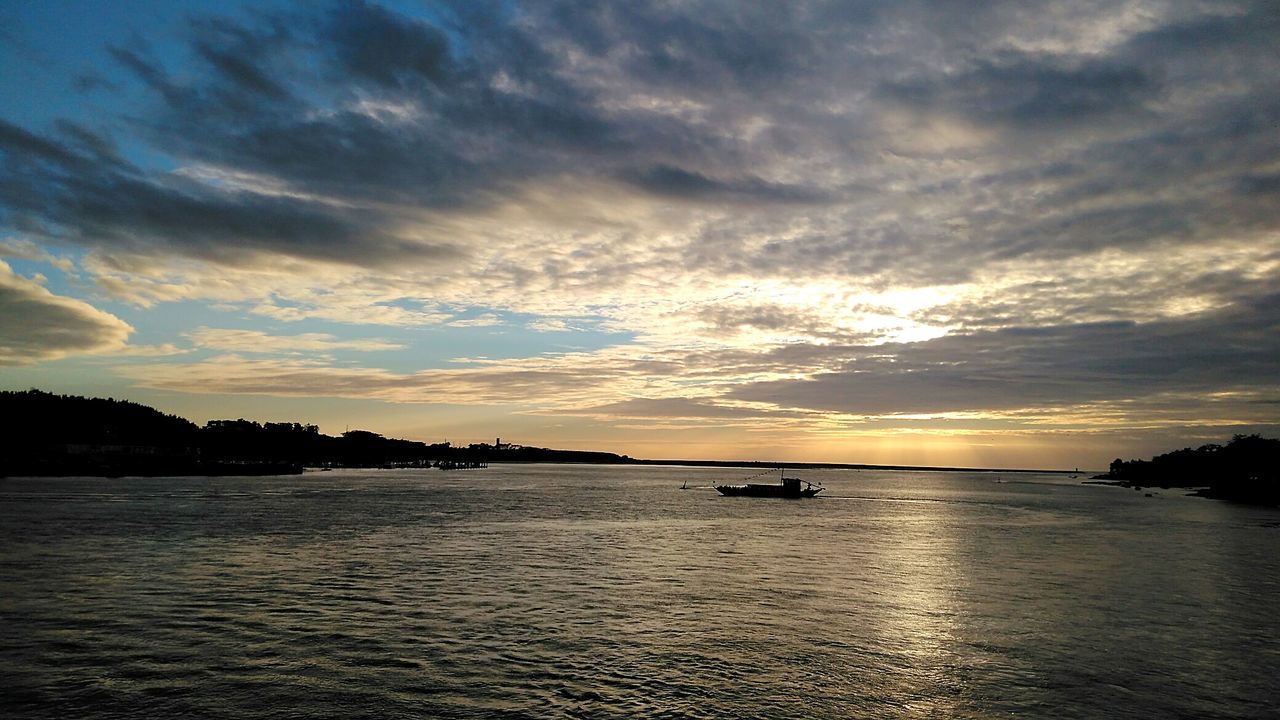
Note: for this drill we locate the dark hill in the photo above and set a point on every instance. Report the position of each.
(33, 416)
(47, 434)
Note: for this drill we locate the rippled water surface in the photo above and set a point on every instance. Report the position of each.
(597, 592)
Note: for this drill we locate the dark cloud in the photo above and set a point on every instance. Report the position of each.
(375, 44)
(85, 141)
(1051, 367)
(763, 317)
(245, 59)
(98, 200)
(711, 46)
(353, 156)
(24, 149)
(914, 142)
(37, 325)
(150, 74)
(1091, 229)
(242, 72)
(391, 115)
(1260, 184)
(680, 408)
(675, 182)
(90, 81)
(1030, 91)
(1201, 43)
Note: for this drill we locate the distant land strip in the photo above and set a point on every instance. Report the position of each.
(846, 466)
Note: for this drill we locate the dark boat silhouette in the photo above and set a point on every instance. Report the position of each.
(785, 488)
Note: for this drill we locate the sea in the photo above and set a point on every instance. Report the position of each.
(579, 591)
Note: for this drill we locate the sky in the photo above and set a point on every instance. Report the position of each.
(1006, 234)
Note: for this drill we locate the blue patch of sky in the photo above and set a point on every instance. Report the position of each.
(417, 347)
(440, 346)
(170, 322)
(73, 376)
(55, 280)
(514, 338)
(49, 45)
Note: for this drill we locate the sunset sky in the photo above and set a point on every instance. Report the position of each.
(982, 234)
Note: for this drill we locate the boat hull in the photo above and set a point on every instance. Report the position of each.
(775, 491)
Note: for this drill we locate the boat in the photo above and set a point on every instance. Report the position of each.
(785, 487)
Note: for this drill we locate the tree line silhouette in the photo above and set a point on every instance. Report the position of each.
(1246, 469)
(50, 435)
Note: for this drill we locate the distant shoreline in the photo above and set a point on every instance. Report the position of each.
(260, 470)
(847, 466)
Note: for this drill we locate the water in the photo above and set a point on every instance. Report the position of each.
(602, 592)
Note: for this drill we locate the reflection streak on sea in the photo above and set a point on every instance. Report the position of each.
(545, 591)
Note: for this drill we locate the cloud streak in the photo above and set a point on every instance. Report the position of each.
(255, 341)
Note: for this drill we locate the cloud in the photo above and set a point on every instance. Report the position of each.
(677, 183)
(150, 351)
(482, 320)
(285, 290)
(375, 44)
(845, 211)
(549, 325)
(107, 204)
(233, 54)
(24, 249)
(1045, 368)
(356, 134)
(684, 408)
(285, 378)
(36, 325)
(256, 341)
(726, 319)
(1027, 91)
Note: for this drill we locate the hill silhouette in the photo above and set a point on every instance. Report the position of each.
(46, 434)
(1246, 469)
(35, 416)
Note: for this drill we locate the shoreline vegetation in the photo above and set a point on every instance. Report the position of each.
(48, 435)
(1246, 470)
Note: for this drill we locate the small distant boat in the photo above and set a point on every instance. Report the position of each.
(785, 487)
